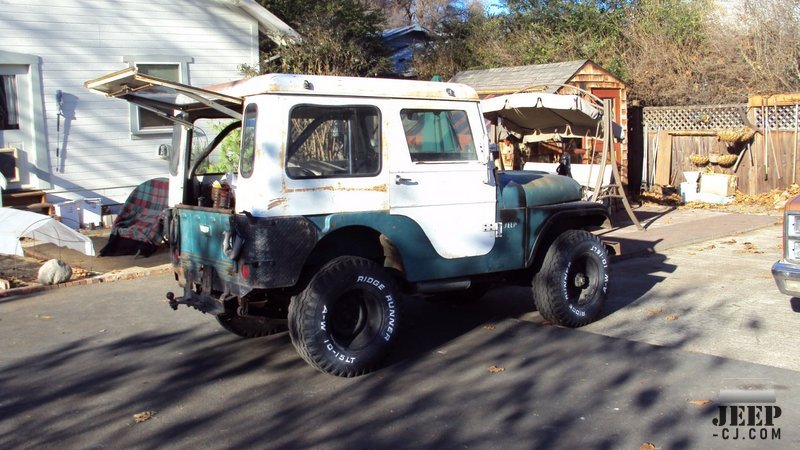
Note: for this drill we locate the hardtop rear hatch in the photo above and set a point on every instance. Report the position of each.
(163, 97)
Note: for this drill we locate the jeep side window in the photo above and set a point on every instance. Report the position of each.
(437, 135)
(333, 141)
(248, 139)
(215, 146)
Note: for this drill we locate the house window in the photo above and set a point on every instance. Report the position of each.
(437, 135)
(148, 120)
(333, 141)
(9, 114)
(175, 68)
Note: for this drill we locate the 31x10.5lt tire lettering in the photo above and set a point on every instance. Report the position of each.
(345, 321)
(572, 285)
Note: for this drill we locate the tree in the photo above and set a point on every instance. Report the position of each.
(665, 49)
(341, 37)
(685, 52)
(533, 32)
(768, 42)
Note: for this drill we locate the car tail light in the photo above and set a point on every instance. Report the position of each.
(245, 271)
(791, 247)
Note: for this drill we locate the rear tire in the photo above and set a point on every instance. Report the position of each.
(345, 321)
(572, 285)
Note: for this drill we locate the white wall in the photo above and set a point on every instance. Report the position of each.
(78, 40)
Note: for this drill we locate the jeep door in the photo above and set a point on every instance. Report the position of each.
(439, 177)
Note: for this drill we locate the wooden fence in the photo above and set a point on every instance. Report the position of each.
(768, 160)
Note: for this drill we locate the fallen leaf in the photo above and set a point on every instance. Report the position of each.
(652, 312)
(692, 253)
(495, 369)
(710, 247)
(672, 317)
(143, 416)
(749, 247)
(732, 241)
(700, 402)
(488, 327)
(647, 446)
(43, 317)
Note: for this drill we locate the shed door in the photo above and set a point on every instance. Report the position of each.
(616, 99)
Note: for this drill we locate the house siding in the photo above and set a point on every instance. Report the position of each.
(77, 40)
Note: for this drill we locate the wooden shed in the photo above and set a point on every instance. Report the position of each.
(584, 74)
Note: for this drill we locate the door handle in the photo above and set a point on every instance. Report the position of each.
(400, 180)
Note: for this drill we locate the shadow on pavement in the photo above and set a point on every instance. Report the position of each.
(548, 387)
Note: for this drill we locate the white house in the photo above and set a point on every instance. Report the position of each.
(58, 137)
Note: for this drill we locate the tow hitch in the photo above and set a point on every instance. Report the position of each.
(199, 302)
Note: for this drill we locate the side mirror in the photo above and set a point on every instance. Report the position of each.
(164, 151)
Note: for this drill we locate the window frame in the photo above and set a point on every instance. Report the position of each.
(415, 156)
(377, 134)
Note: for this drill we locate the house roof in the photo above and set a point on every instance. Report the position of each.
(394, 33)
(403, 41)
(504, 80)
(276, 29)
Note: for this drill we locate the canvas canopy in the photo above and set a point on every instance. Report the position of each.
(16, 224)
(538, 116)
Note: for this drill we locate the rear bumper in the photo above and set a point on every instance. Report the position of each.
(787, 277)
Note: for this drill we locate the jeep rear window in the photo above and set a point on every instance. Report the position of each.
(333, 141)
(438, 135)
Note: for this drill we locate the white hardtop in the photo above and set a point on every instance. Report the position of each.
(164, 97)
(346, 87)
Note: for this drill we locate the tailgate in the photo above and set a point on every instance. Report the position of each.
(202, 239)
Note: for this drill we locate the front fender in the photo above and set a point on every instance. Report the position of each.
(554, 219)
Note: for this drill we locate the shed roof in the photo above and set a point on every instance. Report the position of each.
(503, 80)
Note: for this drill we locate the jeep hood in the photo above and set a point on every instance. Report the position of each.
(524, 188)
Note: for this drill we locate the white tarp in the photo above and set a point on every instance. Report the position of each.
(15, 224)
(542, 116)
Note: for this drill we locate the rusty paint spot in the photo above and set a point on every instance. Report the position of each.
(274, 203)
(378, 188)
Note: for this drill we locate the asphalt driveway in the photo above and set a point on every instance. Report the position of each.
(78, 363)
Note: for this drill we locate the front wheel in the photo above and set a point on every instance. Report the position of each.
(345, 321)
(572, 285)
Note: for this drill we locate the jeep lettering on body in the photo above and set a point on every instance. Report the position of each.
(315, 204)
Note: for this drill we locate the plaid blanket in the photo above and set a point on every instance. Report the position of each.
(140, 218)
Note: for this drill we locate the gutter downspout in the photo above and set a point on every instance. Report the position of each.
(279, 31)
